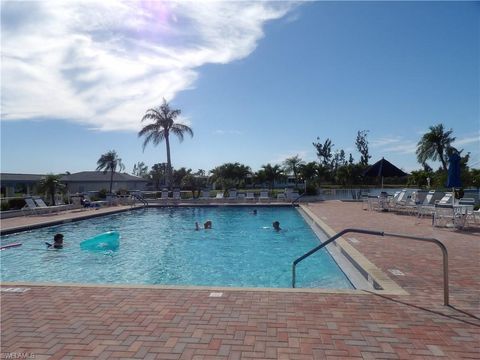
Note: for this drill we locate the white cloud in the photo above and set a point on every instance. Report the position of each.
(227, 132)
(303, 154)
(105, 63)
(467, 140)
(394, 145)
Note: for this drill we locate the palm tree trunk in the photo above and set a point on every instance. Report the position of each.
(169, 162)
(111, 180)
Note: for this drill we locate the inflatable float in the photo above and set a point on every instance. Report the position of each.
(4, 247)
(106, 241)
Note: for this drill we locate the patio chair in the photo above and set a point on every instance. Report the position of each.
(30, 207)
(428, 205)
(250, 196)
(232, 194)
(164, 195)
(54, 208)
(176, 195)
(219, 195)
(263, 195)
(204, 195)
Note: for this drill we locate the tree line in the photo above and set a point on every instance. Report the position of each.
(332, 168)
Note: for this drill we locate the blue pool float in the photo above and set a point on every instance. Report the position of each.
(106, 241)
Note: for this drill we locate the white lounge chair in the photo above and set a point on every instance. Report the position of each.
(250, 196)
(232, 194)
(176, 195)
(54, 208)
(164, 194)
(219, 195)
(264, 195)
(204, 195)
(30, 207)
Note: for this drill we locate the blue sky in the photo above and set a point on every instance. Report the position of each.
(256, 81)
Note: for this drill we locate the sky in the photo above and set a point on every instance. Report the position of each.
(256, 81)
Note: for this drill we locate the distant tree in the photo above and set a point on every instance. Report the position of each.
(270, 173)
(163, 125)
(140, 169)
(291, 165)
(158, 173)
(230, 175)
(324, 151)
(110, 162)
(49, 185)
(434, 145)
(179, 174)
(350, 159)
(361, 143)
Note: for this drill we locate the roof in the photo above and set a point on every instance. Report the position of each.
(20, 177)
(100, 176)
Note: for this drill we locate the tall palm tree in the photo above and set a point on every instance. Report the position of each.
(50, 184)
(434, 145)
(163, 125)
(110, 162)
(291, 165)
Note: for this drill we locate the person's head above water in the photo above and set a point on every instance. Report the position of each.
(58, 241)
(276, 225)
(208, 224)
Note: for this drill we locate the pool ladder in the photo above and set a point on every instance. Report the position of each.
(382, 233)
(140, 198)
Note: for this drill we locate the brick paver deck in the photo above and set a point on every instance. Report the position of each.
(81, 322)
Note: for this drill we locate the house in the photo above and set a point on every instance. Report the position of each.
(97, 180)
(80, 182)
(19, 183)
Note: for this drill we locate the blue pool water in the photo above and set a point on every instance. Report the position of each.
(160, 246)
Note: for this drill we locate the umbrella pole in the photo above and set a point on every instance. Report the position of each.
(382, 182)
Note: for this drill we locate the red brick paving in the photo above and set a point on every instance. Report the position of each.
(66, 322)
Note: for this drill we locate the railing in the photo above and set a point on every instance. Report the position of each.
(381, 233)
(298, 198)
(140, 198)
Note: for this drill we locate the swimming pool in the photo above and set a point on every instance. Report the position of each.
(161, 246)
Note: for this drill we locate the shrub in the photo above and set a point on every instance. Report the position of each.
(15, 204)
(102, 194)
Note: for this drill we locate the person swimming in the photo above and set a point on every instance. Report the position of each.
(197, 227)
(276, 226)
(57, 242)
(207, 224)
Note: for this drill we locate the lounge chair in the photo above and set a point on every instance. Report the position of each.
(30, 206)
(281, 196)
(232, 194)
(164, 194)
(250, 196)
(204, 195)
(241, 196)
(219, 195)
(54, 208)
(176, 195)
(264, 195)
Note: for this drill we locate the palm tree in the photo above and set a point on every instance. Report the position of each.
(163, 118)
(291, 165)
(109, 162)
(50, 184)
(271, 173)
(434, 145)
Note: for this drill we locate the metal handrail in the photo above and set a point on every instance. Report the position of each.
(382, 233)
(298, 198)
(140, 198)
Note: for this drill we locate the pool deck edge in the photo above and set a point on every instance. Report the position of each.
(372, 272)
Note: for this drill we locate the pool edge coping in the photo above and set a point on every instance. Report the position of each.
(358, 260)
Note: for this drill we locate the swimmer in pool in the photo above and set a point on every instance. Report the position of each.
(57, 242)
(276, 226)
